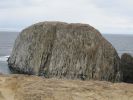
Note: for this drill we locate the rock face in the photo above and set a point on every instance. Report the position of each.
(22, 87)
(62, 50)
(127, 67)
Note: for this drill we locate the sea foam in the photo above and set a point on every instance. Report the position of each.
(4, 58)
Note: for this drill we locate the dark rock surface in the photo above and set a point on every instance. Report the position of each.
(62, 50)
(127, 67)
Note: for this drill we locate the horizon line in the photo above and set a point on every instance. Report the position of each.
(19, 30)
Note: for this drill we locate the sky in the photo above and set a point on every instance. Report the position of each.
(108, 16)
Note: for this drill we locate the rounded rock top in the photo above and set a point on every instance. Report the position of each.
(63, 50)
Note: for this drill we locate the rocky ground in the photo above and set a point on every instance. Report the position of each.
(24, 87)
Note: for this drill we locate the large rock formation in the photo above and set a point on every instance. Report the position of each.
(62, 50)
(21, 87)
(127, 67)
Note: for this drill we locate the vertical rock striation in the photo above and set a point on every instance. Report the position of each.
(62, 50)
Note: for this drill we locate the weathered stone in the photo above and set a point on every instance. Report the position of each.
(62, 50)
(127, 67)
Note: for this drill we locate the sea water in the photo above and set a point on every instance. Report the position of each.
(122, 43)
(6, 44)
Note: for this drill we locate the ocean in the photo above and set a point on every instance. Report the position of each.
(6, 44)
(122, 43)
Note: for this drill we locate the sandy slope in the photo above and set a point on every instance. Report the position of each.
(22, 87)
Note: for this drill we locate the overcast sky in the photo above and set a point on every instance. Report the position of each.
(108, 16)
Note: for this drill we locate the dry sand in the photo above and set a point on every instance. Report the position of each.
(23, 87)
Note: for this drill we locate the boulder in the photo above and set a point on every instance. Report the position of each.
(127, 67)
(62, 50)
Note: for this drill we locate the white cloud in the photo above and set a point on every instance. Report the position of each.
(113, 16)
